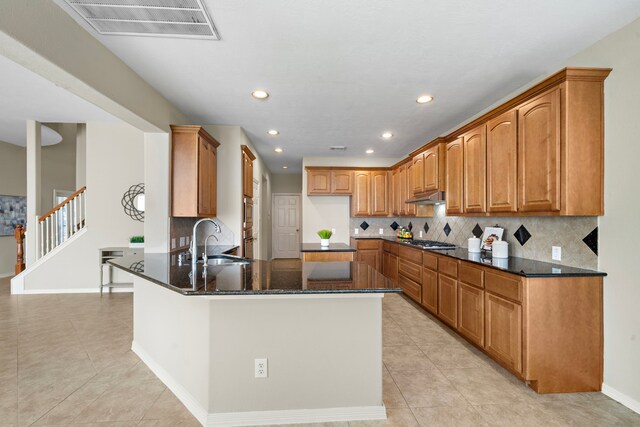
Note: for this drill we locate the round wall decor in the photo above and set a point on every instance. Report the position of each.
(133, 202)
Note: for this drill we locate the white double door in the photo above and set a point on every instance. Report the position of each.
(286, 225)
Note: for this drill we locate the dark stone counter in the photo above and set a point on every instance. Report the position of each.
(520, 266)
(257, 277)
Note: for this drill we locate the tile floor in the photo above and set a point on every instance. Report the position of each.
(65, 360)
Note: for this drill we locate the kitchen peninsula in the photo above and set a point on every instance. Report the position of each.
(318, 325)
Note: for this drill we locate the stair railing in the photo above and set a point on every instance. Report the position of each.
(61, 222)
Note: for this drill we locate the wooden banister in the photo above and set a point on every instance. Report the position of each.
(19, 235)
(61, 205)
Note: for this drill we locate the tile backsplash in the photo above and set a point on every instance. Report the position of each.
(181, 229)
(576, 235)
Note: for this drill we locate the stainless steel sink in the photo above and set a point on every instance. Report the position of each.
(225, 260)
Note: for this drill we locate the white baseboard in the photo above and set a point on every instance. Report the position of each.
(181, 393)
(297, 416)
(255, 418)
(16, 291)
(618, 396)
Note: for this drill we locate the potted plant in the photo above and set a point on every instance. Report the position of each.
(136, 242)
(325, 235)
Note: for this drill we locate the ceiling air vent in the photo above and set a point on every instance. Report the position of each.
(337, 148)
(160, 18)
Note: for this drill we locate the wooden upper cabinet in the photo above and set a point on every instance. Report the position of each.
(193, 172)
(432, 159)
(402, 190)
(539, 153)
(409, 208)
(247, 172)
(502, 163)
(361, 200)
(475, 170)
(454, 181)
(341, 182)
(318, 182)
(394, 195)
(417, 174)
(379, 193)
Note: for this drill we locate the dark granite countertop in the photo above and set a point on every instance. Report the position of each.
(257, 277)
(520, 266)
(333, 247)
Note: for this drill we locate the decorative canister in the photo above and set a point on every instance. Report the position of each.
(500, 249)
(474, 244)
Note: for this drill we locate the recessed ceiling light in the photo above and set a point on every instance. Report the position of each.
(273, 132)
(285, 167)
(423, 99)
(387, 135)
(260, 94)
(278, 150)
(369, 151)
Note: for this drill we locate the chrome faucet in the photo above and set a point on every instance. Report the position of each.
(193, 247)
(206, 243)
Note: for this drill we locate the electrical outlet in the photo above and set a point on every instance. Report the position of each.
(421, 234)
(261, 368)
(380, 231)
(556, 253)
(173, 243)
(355, 231)
(333, 231)
(182, 242)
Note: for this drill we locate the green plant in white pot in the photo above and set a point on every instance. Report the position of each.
(136, 242)
(325, 235)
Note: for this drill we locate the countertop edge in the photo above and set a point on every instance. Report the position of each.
(266, 292)
(443, 252)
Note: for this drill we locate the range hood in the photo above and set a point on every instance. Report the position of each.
(434, 198)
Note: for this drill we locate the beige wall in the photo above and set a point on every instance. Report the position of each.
(13, 182)
(58, 165)
(286, 183)
(329, 212)
(114, 163)
(619, 227)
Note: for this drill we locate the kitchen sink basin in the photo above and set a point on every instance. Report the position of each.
(225, 260)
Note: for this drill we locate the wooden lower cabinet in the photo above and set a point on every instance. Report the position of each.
(448, 300)
(370, 256)
(471, 313)
(503, 334)
(412, 289)
(430, 290)
(390, 266)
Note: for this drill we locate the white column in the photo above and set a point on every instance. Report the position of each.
(33, 188)
(81, 155)
(157, 150)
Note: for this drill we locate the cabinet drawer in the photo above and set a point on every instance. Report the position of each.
(448, 266)
(411, 270)
(503, 285)
(368, 244)
(411, 288)
(470, 275)
(390, 247)
(430, 261)
(410, 254)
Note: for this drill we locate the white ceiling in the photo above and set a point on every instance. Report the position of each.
(342, 72)
(25, 95)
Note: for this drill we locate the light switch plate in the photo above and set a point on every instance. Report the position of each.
(556, 253)
(380, 231)
(421, 234)
(355, 231)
